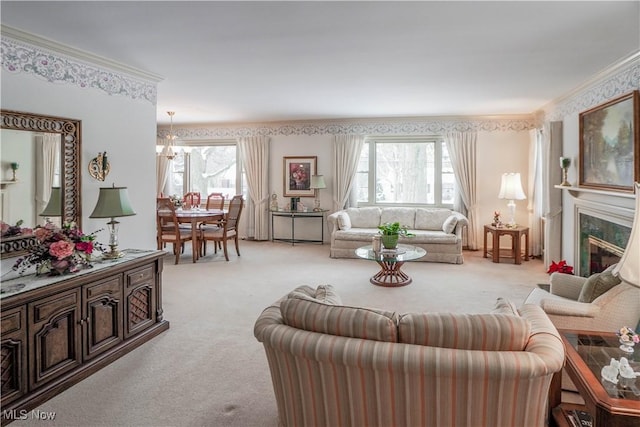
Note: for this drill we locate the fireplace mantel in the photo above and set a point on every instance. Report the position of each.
(575, 191)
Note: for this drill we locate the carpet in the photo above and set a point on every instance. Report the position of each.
(209, 370)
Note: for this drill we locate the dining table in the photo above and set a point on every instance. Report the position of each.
(195, 217)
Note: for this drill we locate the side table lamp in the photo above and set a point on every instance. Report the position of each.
(317, 183)
(113, 202)
(54, 206)
(511, 189)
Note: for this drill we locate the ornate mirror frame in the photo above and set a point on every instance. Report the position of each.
(70, 129)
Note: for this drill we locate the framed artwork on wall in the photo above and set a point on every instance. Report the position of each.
(297, 172)
(610, 144)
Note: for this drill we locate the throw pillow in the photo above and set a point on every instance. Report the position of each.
(323, 293)
(344, 222)
(504, 306)
(450, 224)
(353, 322)
(596, 285)
(487, 332)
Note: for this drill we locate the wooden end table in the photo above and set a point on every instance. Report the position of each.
(516, 234)
(610, 405)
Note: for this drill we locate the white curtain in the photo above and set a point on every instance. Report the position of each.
(535, 205)
(162, 168)
(346, 154)
(254, 154)
(462, 151)
(48, 165)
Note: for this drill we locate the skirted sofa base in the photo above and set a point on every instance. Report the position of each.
(335, 365)
(437, 230)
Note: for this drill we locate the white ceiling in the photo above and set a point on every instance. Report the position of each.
(266, 61)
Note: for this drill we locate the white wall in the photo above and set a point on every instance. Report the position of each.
(123, 127)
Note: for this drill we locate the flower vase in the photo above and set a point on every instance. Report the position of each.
(389, 241)
(627, 346)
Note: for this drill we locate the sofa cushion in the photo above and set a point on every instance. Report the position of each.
(428, 236)
(368, 217)
(322, 293)
(344, 221)
(450, 224)
(431, 218)
(356, 234)
(494, 332)
(405, 216)
(354, 322)
(596, 285)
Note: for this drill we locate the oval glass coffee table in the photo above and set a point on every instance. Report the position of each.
(391, 261)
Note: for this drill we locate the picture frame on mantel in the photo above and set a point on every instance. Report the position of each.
(297, 172)
(610, 145)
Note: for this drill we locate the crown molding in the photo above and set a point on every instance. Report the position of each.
(617, 80)
(368, 126)
(24, 52)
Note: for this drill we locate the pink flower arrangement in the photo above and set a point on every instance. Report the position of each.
(7, 230)
(59, 250)
(628, 335)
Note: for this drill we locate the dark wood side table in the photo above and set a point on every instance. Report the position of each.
(610, 405)
(516, 234)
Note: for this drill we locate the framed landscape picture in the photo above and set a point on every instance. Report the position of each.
(610, 144)
(297, 176)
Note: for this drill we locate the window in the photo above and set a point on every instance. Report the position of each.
(408, 171)
(210, 167)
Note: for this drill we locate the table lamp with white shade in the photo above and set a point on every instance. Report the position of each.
(511, 189)
(113, 202)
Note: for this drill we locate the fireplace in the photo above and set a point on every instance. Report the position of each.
(602, 254)
(602, 243)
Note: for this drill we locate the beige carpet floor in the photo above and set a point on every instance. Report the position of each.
(209, 370)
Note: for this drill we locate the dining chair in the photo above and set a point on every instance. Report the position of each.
(228, 229)
(214, 201)
(168, 229)
(191, 199)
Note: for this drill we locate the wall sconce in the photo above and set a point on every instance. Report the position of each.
(511, 189)
(113, 202)
(317, 183)
(99, 167)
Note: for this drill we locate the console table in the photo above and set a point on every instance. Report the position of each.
(292, 215)
(58, 330)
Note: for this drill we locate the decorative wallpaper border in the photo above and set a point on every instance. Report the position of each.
(616, 83)
(378, 127)
(19, 56)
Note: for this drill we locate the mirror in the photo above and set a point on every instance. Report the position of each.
(69, 179)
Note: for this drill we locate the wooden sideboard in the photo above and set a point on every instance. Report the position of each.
(57, 331)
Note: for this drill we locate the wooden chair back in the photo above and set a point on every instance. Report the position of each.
(191, 199)
(233, 215)
(215, 201)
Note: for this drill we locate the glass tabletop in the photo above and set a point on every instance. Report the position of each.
(597, 351)
(400, 254)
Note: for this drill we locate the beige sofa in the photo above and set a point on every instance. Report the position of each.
(437, 230)
(336, 365)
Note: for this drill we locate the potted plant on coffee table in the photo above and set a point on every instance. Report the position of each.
(391, 231)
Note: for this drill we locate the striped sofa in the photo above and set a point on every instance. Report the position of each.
(334, 365)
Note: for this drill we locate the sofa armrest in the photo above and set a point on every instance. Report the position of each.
(566, 285)
(558, 307)
(462, 223)
(332, 221)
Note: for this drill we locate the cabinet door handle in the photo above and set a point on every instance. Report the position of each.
(81, 321)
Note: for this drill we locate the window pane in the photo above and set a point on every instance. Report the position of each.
(405, 172)
(362, 176)
(213, 170)
(448, 179)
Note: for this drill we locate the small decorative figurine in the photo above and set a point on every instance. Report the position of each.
(274, 202)
(496, 219)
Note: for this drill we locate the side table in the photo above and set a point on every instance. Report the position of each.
(292, 215)
(516, 234)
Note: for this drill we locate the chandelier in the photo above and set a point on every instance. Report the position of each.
(168, 150)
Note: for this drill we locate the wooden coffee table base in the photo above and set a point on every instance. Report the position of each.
(390, 275)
